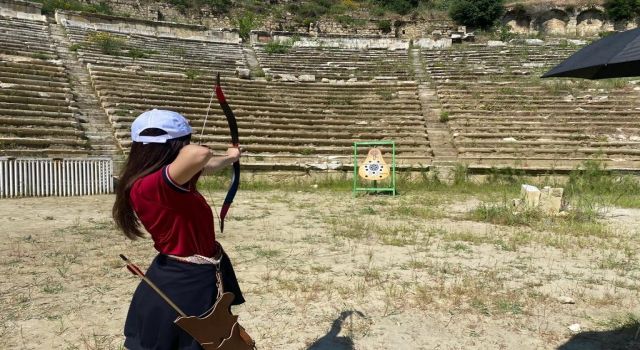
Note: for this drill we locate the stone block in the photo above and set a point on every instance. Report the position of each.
(285, 77)
(306, 77)
(243, 73)
(494, 43)
(530, 195)
(534, 42)
(551, 200)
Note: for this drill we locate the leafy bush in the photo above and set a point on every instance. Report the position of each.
(219, 6)
(505, 33)
(136, 53)
(399, 6)
(75, 47)
(348, 21)
(49, 7)
(444, 116)
(622, 10)
(245, 24)
(384, 26)
(481, 14)
(274, 47)
(192, 73)
(108, 43)
(40, 56)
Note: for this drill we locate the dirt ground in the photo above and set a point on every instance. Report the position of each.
(327, 271)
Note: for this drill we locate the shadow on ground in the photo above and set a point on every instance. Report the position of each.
(624, 338)
(331, 340)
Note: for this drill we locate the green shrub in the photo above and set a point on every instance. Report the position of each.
(505, 33)
(385, 94)
(348, 21)
(444, 116)
(399, 6)
(481, 14)
(75, 47)
(136, 53)
(278, 47)
(40, 56)
(218, 6)
(622, 10)
(192, 73)
(245, 24)
(384, 26)
(108, 43)
(49, 7)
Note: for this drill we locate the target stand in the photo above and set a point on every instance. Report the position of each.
(374, 168)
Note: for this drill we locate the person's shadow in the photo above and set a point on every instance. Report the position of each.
(331, 340)
(623, 338)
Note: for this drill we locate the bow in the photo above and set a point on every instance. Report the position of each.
(235, 141)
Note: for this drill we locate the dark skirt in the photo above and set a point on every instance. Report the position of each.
(191, 287)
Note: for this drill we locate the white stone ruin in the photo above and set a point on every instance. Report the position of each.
(548, 200)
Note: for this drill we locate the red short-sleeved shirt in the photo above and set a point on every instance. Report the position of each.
(179, 219)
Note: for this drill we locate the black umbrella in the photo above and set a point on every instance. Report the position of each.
(614, 56)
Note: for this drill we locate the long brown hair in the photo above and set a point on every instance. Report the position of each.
(143, 160)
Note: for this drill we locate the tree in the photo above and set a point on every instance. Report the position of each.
(622, 10)
(481, 14)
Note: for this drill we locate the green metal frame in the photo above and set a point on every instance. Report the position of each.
(356, 182)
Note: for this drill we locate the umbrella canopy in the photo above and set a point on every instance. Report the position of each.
(614, 56)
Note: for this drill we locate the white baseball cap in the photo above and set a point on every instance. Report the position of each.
(172, 122)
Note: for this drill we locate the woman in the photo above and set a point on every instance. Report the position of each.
(157, 192)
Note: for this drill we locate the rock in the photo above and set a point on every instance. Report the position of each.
(352, 80)
(325, 166)
(569, 98)
(577, 42)
(285, 77)
(533, 65)
(243, 73)
(306, 77)
(551, 200)
(325, 80)
(509, 139)
(634, 138)
(575, 328)
(530, 195)
(566, 300)
(133, 68)
(534, 42)
(495, 43)
(6, 85)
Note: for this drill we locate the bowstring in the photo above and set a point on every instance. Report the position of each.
(215, 209)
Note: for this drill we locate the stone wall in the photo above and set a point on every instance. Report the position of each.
(22, 9)
(145, 27)
(559, 21)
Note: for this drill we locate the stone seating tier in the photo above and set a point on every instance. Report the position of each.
(275, 119)
(164, 54)
(36, 104)
(498, 110)
(334, 63)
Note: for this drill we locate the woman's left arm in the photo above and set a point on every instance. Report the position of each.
(217, 163)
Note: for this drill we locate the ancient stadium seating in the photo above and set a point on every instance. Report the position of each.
(36, 105)
(501, 112)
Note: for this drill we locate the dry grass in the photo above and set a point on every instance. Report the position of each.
(380, 268)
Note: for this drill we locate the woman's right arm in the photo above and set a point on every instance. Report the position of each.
(190, 161)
